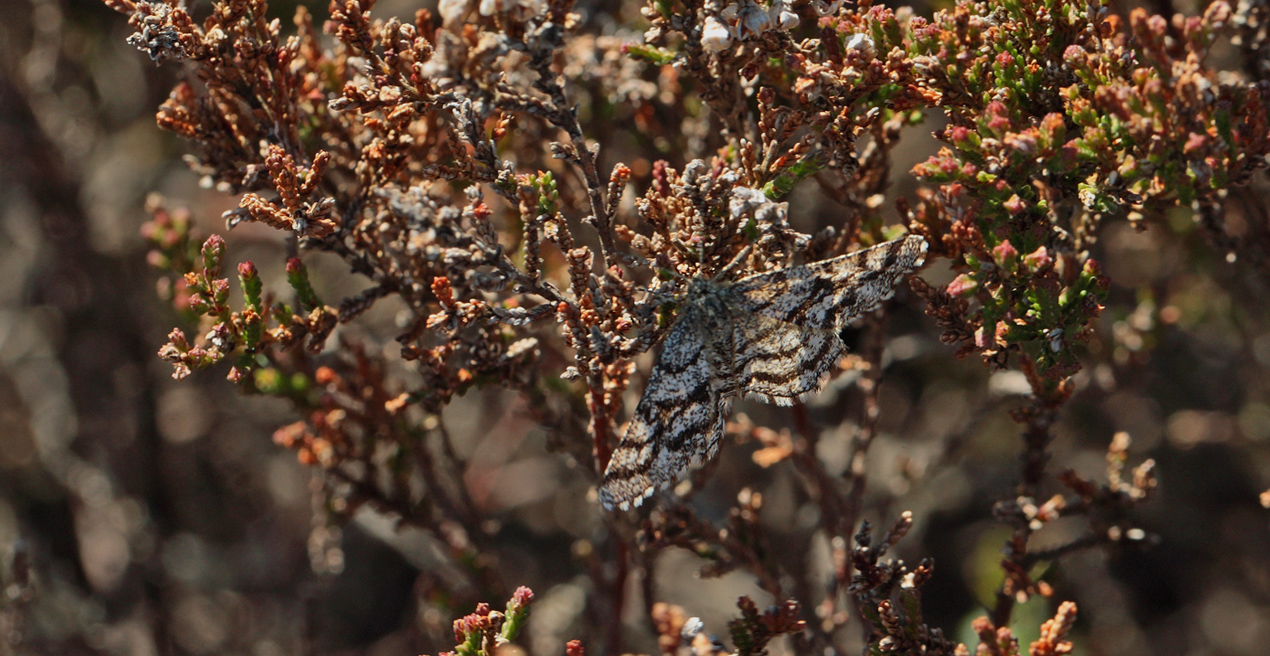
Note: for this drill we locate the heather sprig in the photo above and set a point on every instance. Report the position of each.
(485, 631)
(460, 165)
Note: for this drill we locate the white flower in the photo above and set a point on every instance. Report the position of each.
(1056, 339)
(788, 20)
(692, 627)
(715, 37)
(532, 8)
(824, 9)
(452, 11)
(740, 21)
(863, 44)
(745, 199)
(521, 10)
(752, 19)
(781, 15)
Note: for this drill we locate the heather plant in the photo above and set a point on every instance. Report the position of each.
(466, 164)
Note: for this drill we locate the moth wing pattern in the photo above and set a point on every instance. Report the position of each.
(679, 422)
(779, 362)
(773, 336)
(831, 293)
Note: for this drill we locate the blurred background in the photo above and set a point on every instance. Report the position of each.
(140, 515)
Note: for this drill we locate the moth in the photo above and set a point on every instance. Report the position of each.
(773, 336)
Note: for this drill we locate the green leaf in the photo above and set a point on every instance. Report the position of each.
(650, 54)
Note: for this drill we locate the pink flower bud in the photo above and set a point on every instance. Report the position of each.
(962, 285)
(1038, 259)
(1006, 256)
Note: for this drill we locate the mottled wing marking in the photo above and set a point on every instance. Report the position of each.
(678, 424)
(779, 362)
(773, 336)
(831, 293)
